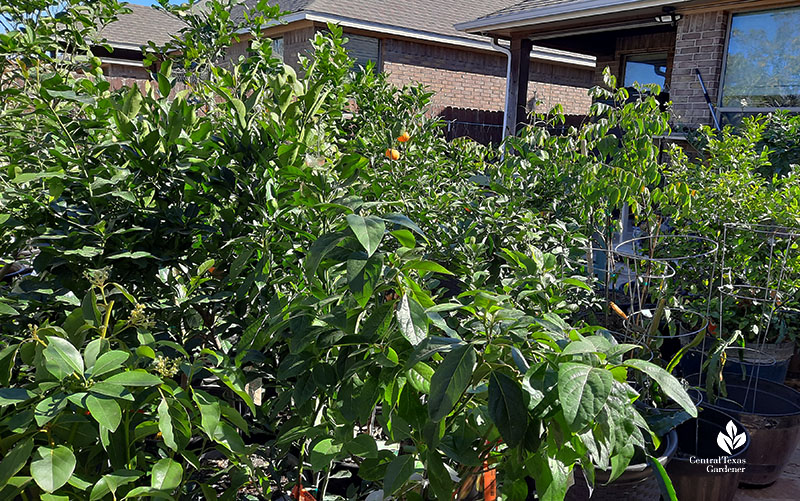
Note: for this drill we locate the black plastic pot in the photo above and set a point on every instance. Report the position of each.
(638, 482)
(771, 413)
(697, 440)
(770, 371)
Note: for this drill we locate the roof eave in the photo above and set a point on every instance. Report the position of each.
(542, 53)
(560, 12)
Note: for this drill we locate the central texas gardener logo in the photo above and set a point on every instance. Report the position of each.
(730, 439)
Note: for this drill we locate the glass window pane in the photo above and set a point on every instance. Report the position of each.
(763, 65)
(363, 49)
(277, 48)
(646, 69)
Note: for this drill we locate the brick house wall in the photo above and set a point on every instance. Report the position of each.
(700, 44)
(460, 78)
(633, 44)
(470, 79)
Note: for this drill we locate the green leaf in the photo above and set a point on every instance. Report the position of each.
(319, 249)
(91, 314)
(664, 482)
(9, 396)
(551, 476)
(111, 390)
(233, 379)
(441, 483)
(52, 467)
(669, 385)
(204, 267)
(241, 112)
(583, 391)
(105, 411)
(108, 362)
(507, 408)
(62, 359)
(209, 411)
(132, 255)
(420, 377)
(151, 492)
(450, 380)
(84, 251)
(49, 408)
(362, 275)
(112, 481)
(369, 231)
(577, 283)
(226, 435)
(426, 266)
(14, 460)
(363, 446)
(322, 453)
(405, 237)
(136, 377)
(412, 319)
(7, 310)
(165, 425)
(166, 475)
(32, 176)
(402, 220)
(398, 473)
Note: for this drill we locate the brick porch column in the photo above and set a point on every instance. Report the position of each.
(700, 44)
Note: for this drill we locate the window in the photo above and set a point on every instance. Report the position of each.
(646, 69)
(762, 69)
(363, 49)
(277, 48)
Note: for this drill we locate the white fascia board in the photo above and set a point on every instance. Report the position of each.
(542, 53)
(121, 62)
(126, 46)
(559, 12)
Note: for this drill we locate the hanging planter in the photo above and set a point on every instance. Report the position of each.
(693, 476)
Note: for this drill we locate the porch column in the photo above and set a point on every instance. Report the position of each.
(518, 95)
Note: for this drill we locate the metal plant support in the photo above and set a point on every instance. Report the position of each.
(663, 276)
(756, 272)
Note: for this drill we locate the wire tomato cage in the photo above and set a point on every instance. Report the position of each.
(758, 287)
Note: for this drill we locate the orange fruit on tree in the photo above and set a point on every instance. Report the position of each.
(404, 137)
(393, 154)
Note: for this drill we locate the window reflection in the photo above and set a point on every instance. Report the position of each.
(763, 64)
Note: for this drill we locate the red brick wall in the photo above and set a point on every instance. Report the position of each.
(638, 43)
(119, 71)
(700, 44)
(470, 79)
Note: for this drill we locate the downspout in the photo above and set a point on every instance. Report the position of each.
(506, 110)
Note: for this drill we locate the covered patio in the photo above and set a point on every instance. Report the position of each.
(741, 49)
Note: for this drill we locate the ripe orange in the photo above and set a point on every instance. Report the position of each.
(403, 137)
(393, 154)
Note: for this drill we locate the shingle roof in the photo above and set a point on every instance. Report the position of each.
(436, 17)
(143, 24)
(523, 6)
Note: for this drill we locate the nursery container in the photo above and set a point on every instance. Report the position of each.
(638, 482)
(697, 439)
(770, 363)
(771, 414)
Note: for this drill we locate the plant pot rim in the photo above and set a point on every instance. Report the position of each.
(639, 471)
(703, 417)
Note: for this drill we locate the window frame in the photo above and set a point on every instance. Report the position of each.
(723, 70)
(628, 55)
